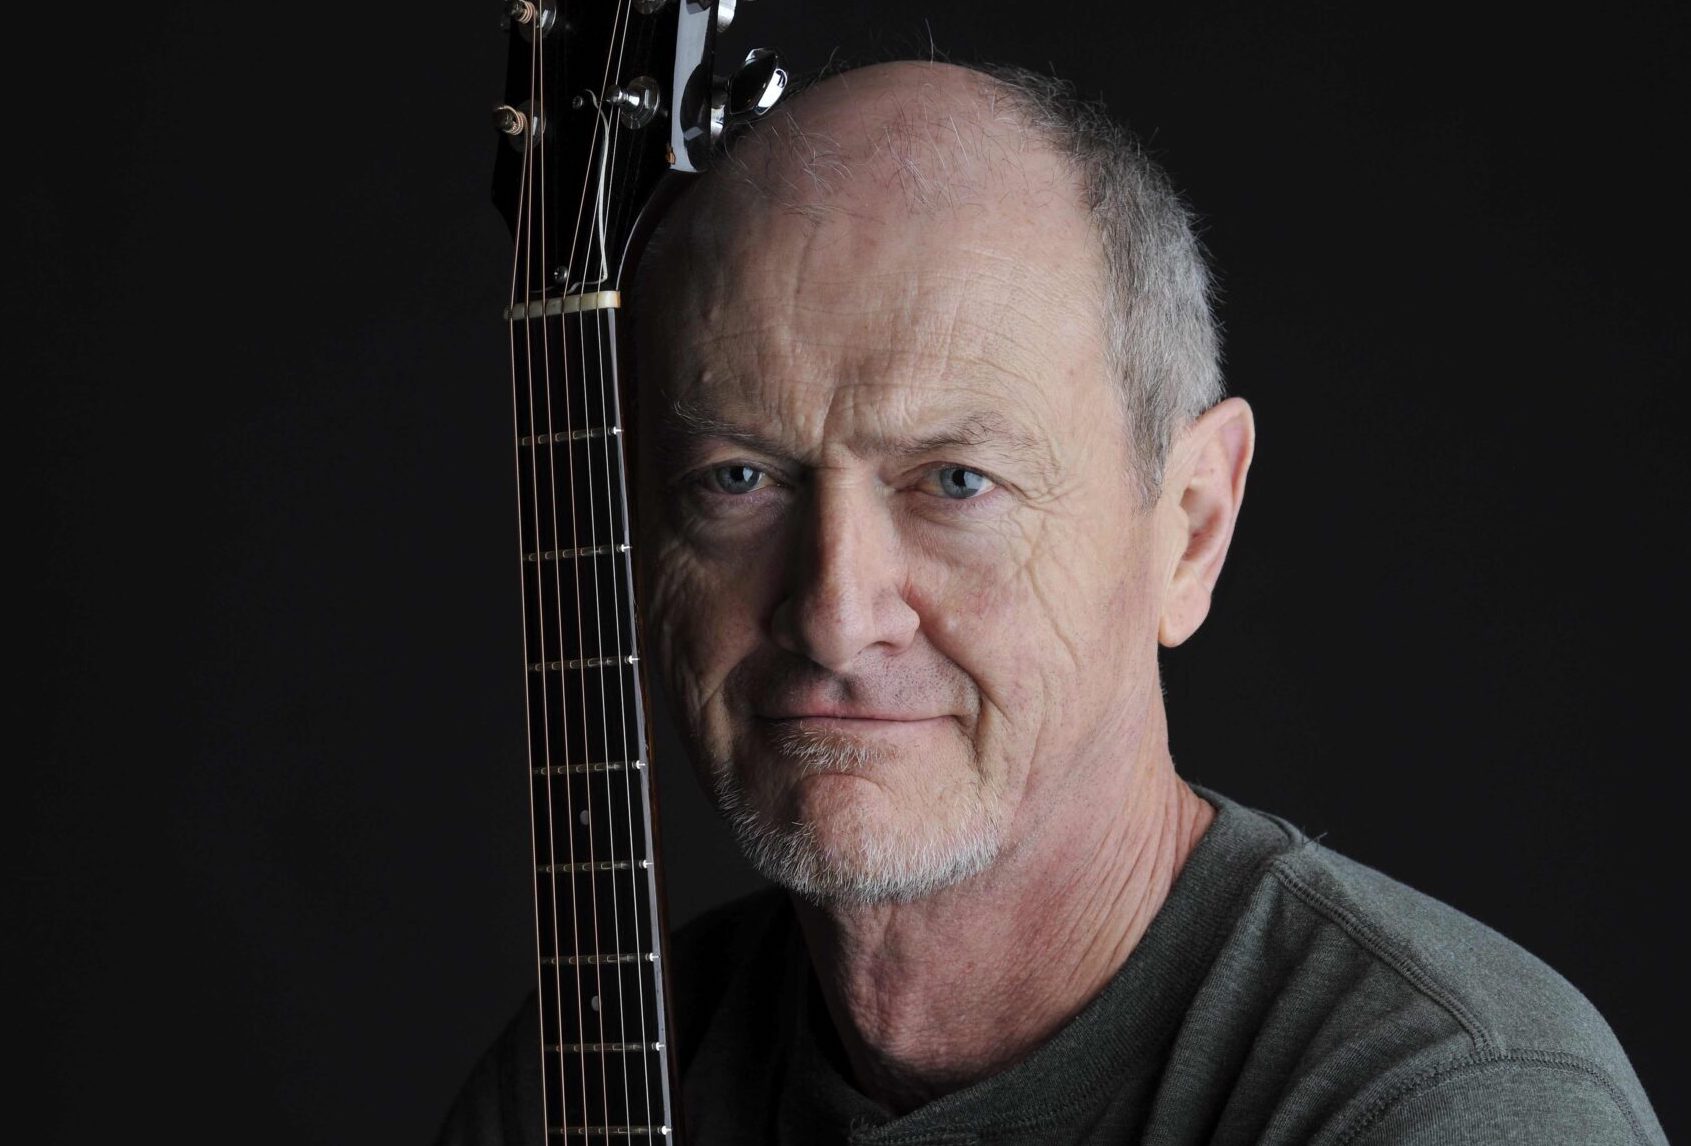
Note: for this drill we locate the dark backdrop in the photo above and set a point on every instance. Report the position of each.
(269, 806)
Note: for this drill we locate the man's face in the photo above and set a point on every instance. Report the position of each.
(904, 594)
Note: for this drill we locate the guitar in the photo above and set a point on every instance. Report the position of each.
(605, 101)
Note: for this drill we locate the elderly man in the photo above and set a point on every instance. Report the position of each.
(937, 460)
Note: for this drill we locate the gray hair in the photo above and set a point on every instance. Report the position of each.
(1163, 338)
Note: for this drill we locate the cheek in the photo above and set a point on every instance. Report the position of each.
(704, 619)
(992, 623)
(1032, 629)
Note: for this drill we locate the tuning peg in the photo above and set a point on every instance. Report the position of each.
(520, 124)
(751, 91)
(527, 16)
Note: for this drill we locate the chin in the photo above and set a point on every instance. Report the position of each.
(835, 840)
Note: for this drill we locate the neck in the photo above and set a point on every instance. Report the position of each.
(927, 1000)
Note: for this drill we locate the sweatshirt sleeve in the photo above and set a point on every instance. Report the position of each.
(1505, 1100)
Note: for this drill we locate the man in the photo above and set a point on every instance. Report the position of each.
(937, 460)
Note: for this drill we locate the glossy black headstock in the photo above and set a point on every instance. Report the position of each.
(603, 97)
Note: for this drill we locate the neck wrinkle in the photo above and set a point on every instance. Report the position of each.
(926, 1001)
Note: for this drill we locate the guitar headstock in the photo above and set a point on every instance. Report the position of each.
(604, 98)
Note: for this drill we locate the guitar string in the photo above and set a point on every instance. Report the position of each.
(522, 259)
(542, 108)
(634, 781)
(537, 205)
(598, 232)
(598, 651)
(618, 535)
(589, 819)
(539, 106)
(616, 480)
(601, 999)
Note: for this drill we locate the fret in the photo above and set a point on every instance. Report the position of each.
(578, 505)
(579, 551)
(574, 486)
(591, 840)
(589, 716)
(590, 769)
(611, 1131)
(589, 868)
(583, 663)
(613, 959)
(602, 1001)
(581, 616)
(599, 1005)
(607, 907)
(573, 436)
(605, 998)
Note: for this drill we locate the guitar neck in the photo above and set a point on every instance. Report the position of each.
(598, 920)
(586, 148)
(600, 106)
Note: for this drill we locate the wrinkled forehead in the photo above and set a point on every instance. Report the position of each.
(889, 250)
(906, 138)
(871, 152)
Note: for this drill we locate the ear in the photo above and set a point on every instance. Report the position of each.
(1203, 488)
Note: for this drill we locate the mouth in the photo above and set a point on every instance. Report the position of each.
(796, 714)
(819, 708)
(854, 740)
(824, 743)
(848, 722)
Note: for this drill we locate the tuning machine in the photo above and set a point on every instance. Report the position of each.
(755, 87)
(529, 16)
(521, 124)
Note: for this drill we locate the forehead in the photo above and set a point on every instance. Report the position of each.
(938, 270)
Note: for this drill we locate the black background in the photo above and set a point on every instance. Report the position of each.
(270, 807)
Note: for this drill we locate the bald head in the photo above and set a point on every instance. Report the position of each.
(871, 147)
(935, 136)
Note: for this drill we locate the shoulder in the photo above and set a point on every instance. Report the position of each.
(1500, 995)
(1417, 1023)
(1526, 1097)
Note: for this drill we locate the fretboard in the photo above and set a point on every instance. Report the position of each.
(598, 928)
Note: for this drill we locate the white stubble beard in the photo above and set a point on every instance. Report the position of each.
(876, 859)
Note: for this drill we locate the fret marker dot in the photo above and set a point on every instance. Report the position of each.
(595, 1003)
(583, 817)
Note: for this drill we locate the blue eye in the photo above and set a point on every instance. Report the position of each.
(736, 478)
(957, 482)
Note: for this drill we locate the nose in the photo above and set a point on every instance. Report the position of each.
(845, 589)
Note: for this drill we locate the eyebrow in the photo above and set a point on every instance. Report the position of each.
(687, 422)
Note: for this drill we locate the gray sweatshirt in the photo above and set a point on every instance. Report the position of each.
(1284, 994)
